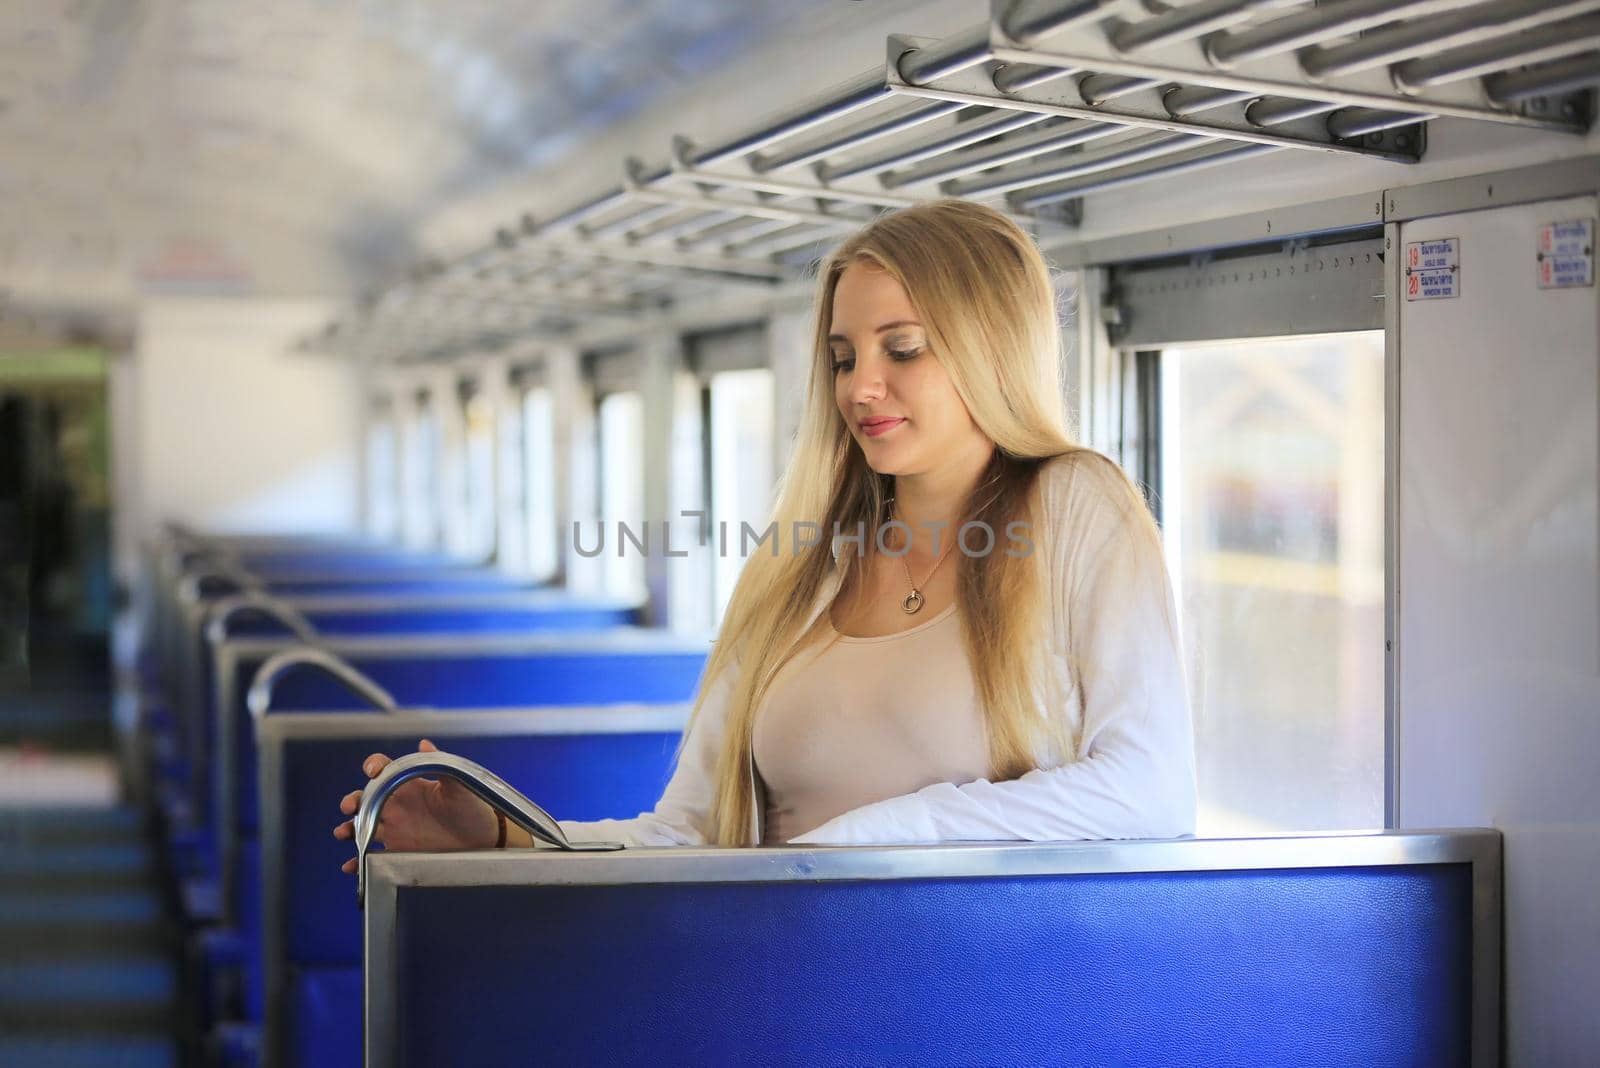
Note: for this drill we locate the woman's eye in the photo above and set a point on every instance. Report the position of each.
(904, 354)
(843, 365)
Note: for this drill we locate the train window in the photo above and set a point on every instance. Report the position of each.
(383, 470)
(621, 476)
(476, 470)
(1269, 462)
(539, 482)
(741, 442)
(420, 468)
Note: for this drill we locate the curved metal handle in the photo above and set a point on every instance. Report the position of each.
(223, 611)
(259, 699)
(475, 777)
(189, 585)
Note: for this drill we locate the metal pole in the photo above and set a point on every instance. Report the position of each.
(1316, 25)
(958, 136)
(859, 92)
(1184, 23)
(1007, 179)
(950, 56)
(803, 154)
(1066, 134)
(1054, 194)
(1016, 77)
(1482, 22)
(1579, 72)
(1354, 122)
(1025, 21)
(1556, 41)
(1277, 110)
(1184, 101)
(1096, 89)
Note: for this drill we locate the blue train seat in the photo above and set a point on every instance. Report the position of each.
(585, 763)
(1377, 949)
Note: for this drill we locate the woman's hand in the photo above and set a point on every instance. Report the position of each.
(424, 815)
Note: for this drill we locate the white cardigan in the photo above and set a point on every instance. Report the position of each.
(1133, 775)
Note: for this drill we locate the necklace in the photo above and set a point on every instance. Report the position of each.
(912, 602)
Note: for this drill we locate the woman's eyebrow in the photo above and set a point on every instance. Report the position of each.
(879, 330)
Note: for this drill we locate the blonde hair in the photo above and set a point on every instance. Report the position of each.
(987, 303)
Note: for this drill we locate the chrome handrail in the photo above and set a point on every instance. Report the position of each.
(223, 611)
(259, 698)
(189, 585)
(484, 783)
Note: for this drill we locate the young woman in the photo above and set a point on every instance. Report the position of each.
(986, 649)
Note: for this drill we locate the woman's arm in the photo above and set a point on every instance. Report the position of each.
(1135, 777)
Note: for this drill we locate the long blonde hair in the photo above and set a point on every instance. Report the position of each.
(985, 298)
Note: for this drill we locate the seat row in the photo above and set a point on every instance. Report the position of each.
(279, 665)
(284, 666)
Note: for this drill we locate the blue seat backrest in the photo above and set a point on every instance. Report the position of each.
(303, 563)
(574, 776)
(467, 682)
(468, 582)
(500, 620)
(1329, 966)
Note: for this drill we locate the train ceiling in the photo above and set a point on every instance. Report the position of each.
(228, 127)
(301, 147)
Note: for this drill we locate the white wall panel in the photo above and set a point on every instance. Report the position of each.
(228, 430)
(1498, 638)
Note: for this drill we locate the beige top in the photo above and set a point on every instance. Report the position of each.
(1115, 686)
(859, 720)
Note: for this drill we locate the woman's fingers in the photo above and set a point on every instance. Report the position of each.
(349, 866)
(350, 802)
(347, 829)
(374, 764)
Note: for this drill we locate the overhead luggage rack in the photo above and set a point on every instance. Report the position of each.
(1045, 103)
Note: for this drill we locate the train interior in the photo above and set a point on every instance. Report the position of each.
(379, 371)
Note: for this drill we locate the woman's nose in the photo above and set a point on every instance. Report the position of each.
(867, 385)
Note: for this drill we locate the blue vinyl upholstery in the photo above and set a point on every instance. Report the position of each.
(466, 682)
(325, 1022)
(577, 776)
(443, 583)
(464, 620)
(1325, 966)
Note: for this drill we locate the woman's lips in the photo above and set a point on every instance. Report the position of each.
(879, 427)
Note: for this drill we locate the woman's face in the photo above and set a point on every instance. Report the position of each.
(895, 397)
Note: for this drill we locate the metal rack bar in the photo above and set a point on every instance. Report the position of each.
(1515, 86)
(956, 137)
(1097, 89)
(949, 56)
(1316, 25)
(1241, 77)
(1058, 136)
(1199, 76)
(841, 142)
(1184, 23)
(1156, 118)
(1553, 41)
(1025, 21)
(1071, 165)
(1195, 159)
(1480, 22)
(1183, 101)
(1356, 122)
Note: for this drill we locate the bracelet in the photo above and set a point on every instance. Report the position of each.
(500, 839)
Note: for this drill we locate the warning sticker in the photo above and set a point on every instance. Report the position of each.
(1566, 254)
(1433, 269)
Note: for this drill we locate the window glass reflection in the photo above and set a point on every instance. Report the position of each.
(1272, 461)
